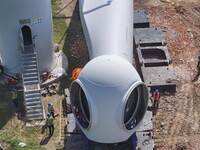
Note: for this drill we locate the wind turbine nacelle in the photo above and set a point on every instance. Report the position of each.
(108, 99)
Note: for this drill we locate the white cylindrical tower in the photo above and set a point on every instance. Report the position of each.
(23, 23)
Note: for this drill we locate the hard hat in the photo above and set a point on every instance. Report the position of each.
(48, 114)
(50, 104)
(156, 90)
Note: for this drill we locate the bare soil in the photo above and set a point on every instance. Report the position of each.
(177, 123)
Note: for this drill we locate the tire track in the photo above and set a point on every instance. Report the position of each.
(190, 117)
(177, 117)
(189, 112)
(177, 122)
(193, 116)
(176, 140)
(196, 108)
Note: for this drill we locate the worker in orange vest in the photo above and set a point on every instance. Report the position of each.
(156, 98)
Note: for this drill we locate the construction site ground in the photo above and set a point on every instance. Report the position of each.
(177, 123)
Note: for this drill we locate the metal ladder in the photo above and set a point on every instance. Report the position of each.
(31, 84)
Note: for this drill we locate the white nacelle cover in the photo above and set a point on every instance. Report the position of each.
(107, 81)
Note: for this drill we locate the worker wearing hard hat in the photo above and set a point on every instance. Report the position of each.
(49, 123)
(50, 109)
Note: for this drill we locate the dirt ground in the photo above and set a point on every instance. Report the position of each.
(177, 123)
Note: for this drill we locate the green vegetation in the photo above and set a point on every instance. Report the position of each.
(59, 25)
(12, 138)
(59, 31)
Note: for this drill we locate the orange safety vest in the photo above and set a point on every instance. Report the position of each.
(156, 96)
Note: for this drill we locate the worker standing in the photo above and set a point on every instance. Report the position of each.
(156, 98)
(50, 109)
(198, 68)
(14, 97)
(49, 123)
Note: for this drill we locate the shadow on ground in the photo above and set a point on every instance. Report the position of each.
(45, 139)
(74, 45)
(7, 108)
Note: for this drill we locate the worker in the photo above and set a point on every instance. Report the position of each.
(156, 98)
(198, 68)
(14, 97)
(50, 109)
(49, 123)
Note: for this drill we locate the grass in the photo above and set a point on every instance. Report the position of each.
(59, 25)
(13, 137)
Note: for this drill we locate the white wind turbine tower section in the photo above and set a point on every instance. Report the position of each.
(24, 23)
